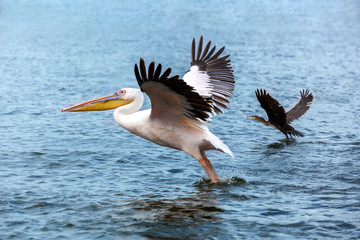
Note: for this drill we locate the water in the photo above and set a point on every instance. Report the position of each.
(80, 176)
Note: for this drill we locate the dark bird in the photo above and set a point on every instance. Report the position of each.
(278, 119)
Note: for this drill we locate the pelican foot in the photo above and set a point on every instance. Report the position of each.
(220, 181)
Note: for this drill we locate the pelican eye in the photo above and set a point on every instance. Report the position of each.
(120, 93)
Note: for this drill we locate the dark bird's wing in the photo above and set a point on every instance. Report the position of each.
(300, 108)
(274, 110)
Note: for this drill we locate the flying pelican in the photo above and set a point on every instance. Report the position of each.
(180, 108)
(278, 119)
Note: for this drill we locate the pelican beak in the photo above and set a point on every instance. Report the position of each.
(99, 104)
(250, 117)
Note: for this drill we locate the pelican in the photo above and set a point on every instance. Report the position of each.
(278, 119)
(180, 107)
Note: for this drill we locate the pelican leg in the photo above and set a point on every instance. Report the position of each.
(206, 164)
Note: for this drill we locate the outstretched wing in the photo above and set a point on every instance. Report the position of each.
(274, 110)
(211, 75)
(300, 108)
(170, 97)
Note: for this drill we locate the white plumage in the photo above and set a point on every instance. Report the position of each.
(199, 80)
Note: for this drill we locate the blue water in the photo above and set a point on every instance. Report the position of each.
(81, 176)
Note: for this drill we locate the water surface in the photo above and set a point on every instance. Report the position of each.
(80, 176)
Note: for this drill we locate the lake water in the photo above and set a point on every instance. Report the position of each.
(81, 176)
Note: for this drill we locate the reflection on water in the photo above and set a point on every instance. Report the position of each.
(160, 217)
(196, 215)
(282, 143)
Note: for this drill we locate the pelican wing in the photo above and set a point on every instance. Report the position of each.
(170, 96)
(274, 110)
(300, 108)
(211, 75)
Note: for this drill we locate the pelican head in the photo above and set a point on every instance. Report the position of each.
(120, 98)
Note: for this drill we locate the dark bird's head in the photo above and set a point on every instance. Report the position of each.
(259, 119)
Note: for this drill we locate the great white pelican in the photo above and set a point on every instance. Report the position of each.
(180, 107)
